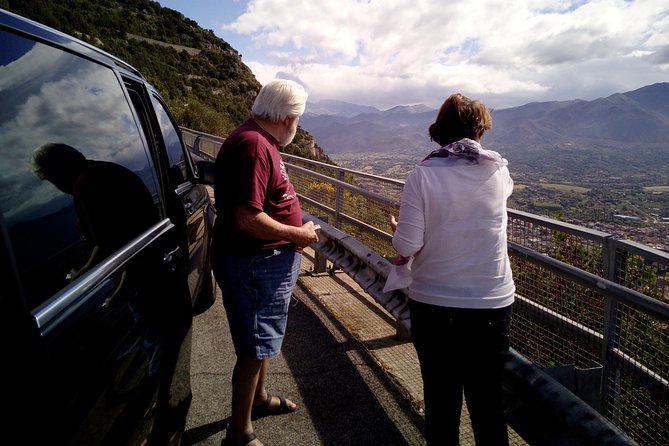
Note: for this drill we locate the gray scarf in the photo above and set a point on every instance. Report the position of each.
(470, 151)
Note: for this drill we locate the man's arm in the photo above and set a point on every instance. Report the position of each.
(262, 226)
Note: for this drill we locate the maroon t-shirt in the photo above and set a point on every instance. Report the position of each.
(250, 171)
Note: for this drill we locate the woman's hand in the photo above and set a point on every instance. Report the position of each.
(393, 223)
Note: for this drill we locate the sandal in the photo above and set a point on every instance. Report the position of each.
(263, 409)
(243, 441)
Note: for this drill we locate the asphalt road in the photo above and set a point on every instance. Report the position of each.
(343, 396)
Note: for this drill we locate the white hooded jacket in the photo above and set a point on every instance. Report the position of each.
(453, 220)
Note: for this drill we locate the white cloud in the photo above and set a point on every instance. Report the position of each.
(36, 113)
(409, 51)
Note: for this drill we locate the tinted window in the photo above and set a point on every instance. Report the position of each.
(175, 151)
(51, 96)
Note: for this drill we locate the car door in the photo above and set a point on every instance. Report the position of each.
(102, 320)
(194, 202)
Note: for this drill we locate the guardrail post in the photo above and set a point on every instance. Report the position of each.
(196, 146)
(614, 270)
(583, 382)
(320, 259)
(339, 201)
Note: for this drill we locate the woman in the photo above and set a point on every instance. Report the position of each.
(452, 221)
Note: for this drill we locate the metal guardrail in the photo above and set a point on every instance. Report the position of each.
(591, 310)
(201, 144)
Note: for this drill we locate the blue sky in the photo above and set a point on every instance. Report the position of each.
(402, 52)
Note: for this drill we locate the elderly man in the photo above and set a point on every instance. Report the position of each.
(257, 244)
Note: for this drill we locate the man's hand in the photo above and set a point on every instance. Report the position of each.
(262, 226)
(307, 235)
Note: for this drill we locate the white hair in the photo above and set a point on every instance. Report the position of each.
(279, 99)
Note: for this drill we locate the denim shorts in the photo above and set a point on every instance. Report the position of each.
(256, 294)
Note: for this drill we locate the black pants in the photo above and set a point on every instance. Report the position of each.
(462, 349)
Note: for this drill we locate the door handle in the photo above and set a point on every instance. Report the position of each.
(169, 257)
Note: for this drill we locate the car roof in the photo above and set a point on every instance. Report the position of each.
(10, 20)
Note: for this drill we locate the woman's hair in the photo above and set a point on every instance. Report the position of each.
(279, 99)
(459, 117)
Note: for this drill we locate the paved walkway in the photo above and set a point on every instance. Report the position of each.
(354, 382)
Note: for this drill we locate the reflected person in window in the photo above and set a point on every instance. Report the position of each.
(111, 202)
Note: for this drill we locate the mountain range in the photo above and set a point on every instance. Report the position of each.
(619, 120)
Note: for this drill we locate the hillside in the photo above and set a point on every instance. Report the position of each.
(639, 116)
(203, 79)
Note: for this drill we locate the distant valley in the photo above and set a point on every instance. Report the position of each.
(625, 131)
(591, 162)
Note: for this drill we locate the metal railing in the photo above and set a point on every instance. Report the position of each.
(591, 310)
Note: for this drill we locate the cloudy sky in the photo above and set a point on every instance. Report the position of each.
(402, 52)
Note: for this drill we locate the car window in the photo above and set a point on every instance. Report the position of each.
(73, 106)
(175, 150)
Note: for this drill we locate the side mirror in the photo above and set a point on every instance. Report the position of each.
(205, 170)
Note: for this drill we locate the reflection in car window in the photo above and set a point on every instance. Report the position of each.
(173, 146)
(75, 102)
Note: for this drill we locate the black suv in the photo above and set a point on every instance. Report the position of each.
(104, 237)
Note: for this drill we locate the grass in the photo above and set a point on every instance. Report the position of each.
(565, 187)
(657, 189)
